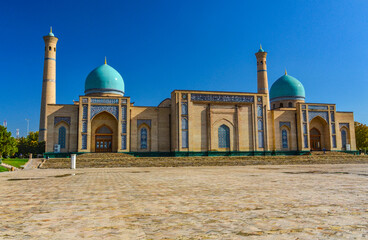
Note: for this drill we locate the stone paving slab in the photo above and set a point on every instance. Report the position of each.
(252, 202)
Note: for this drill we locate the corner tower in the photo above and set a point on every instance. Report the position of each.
(262, 80)
(49, 81)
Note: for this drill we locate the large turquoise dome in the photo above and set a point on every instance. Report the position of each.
(287, 88)
(104, 79)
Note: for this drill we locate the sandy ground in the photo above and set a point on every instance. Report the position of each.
(252, 202)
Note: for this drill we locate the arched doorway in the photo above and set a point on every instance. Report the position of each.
(103, 139)
(315, 140)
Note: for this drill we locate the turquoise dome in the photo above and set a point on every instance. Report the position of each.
(287, 88)
(104, 79)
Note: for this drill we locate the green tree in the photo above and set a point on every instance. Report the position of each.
(361, 135)
(8, 144)
(30, 144)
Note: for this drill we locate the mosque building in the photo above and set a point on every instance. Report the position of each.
(189, 122)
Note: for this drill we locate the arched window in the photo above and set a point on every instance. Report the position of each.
(62, 133)
(281, 105)
(343, 138)
(144, 138)
(284, 138)
(49, 48)
(290, 104)
(224, 136)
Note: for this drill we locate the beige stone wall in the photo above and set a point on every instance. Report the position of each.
(345, 117)
(56, 110)
(284, 116)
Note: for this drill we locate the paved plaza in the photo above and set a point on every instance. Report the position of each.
(251, 202)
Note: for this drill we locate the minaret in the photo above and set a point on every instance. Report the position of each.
(49, 81)
(262, 80)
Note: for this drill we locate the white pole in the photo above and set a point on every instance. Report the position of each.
(73, 160)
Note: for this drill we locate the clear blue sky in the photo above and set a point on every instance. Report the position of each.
(159, 46)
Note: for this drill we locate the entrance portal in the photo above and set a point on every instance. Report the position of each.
(103, 139)
(315, 140)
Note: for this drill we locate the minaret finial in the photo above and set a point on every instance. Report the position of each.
(260, 46)
(50, 29)
(105, 60)
(285, 72)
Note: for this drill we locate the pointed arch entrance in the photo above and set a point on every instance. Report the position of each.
(315, 140)
(104, 137)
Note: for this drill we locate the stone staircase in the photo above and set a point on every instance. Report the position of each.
(111, 160)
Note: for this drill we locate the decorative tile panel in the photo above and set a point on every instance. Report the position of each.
(332, 117)
(84, 126)
(303, 107)
(344, 125)
(260, 140)
(221, 98)
(332, 108)
(123, 142)
(313, 114)
(105, 100)
(259, 99)
(259, 110)
(334, 141)
(184, 109)
(85, 111)
(317, 107)
(123, 101)
(146, 121)
(184, 139)
(123, 127)
(84, 100)
(285, 124)
(333, 129)
(124, 112)
(84, 141)
(59, 119)
(96, 109)
(304, 116)
(305, 141)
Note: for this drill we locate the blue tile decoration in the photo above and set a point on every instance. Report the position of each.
(85, 111)
(332, 117)
(221, 98)
(84, 141)
(84, 126)
(305, 141)
(305, 128)
(146, 121)
(123, 142)
(288, 124)
(184, 109)
(184, 123)
(332, 108)
(334, 141)
(105, 100)
(62, 136)
(144, 137)
(303, 107)
(333, 129)
(184, 139)
(284, 139)
(260, 124)
(260, 140)
(96, 109)
(317, 107)
(344, 125)
(313, 114)
(123, 127)
(304, 116)
(84, 100)
(59, 119)
(259, 110)
(259, 99)
(124, 112)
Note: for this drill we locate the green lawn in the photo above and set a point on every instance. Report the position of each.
(16, 162)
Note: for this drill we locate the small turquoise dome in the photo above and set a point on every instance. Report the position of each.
(104, 79)
(287, 88)
(261, 50)
(51, 34)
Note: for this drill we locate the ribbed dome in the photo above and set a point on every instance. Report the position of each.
(104, 79)
(287, 87)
